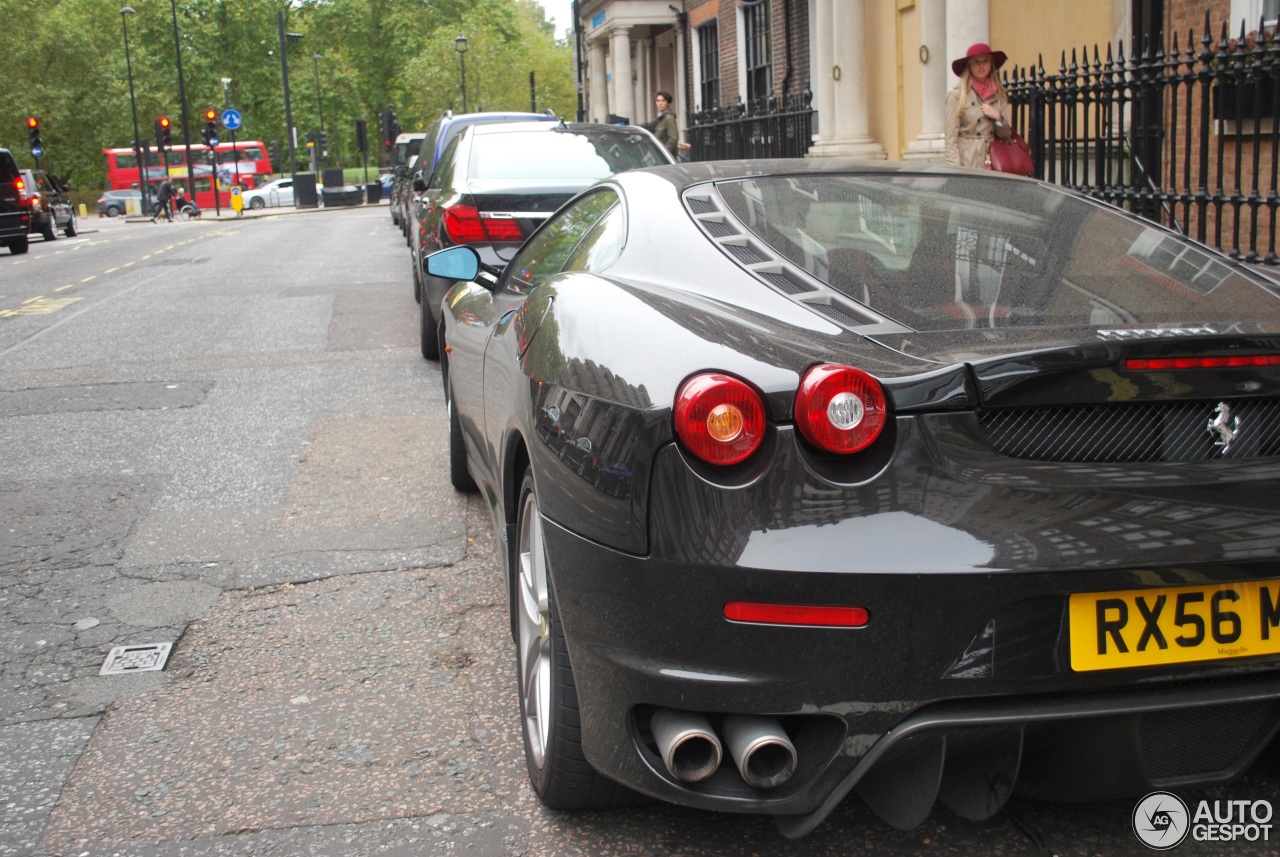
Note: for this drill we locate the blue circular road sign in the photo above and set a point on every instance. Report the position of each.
(231, 119)
(37, 152)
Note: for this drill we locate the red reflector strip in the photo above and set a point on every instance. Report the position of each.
(796, 614)
(1239, 361)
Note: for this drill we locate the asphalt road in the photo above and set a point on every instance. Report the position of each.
(220, 435)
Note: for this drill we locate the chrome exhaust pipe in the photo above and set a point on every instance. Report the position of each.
(689, 746)
(764, 754)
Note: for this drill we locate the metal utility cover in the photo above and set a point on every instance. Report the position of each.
(136, 659)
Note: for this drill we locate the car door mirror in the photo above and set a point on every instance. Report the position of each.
(453, 263)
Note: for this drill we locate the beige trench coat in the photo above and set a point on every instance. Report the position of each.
(968, 136)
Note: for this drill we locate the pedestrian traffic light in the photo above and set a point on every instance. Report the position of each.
(164, 133)
(33, 133)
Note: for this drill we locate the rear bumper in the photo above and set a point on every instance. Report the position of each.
(871, 712)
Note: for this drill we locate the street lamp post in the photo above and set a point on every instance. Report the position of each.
(460, 45)
(285, 38)
(324, 152)
(125, 12)
(182, 97)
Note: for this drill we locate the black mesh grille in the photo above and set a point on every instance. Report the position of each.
(700, 206)
(836, 313)
(744, 254)
(1187, 741)
(718, 228)
(1159, 431)
(783, 282)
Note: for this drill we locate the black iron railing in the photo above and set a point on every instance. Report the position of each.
(768, 127)
(1188, 137)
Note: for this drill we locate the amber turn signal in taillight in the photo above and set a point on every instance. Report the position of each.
(719, 418)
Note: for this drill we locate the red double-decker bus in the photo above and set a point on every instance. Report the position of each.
(247, 164)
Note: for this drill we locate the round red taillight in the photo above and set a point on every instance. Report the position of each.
(719, 418)
(840, 409)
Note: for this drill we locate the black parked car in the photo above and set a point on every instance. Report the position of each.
(496, 183)
(15, 214)
(51, 208)
(432, 145)
(915, 482)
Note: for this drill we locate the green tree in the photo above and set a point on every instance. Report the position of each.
(67, 67)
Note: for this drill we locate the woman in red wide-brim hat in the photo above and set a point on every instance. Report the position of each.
(977, 107)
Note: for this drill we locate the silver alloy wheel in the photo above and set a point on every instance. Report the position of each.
(535, 631)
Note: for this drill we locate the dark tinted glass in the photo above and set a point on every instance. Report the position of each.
(957, 252)
(546, 253)
(561, 154)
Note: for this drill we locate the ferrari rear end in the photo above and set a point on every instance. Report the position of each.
(1008, 524)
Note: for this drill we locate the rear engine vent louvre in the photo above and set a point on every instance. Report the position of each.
(758, 259)
(745, 253)
(784, 283)
(1152, 432)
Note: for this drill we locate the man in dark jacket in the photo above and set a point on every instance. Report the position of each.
(665, 127)
(163, 194)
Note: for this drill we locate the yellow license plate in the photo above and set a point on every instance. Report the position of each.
(1147, 627)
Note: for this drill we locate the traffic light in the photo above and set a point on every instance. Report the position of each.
(33, 134)
(362, 136)
(324, 141)
(210, 133)
(273, 152)
(164, 133)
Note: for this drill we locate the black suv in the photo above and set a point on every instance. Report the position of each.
(51, 208)
(15, 216)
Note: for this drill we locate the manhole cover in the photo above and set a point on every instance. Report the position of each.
(136, 659)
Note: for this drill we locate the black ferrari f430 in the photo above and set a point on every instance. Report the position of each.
(824, 477)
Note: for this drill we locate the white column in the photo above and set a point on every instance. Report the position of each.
(845, 131)
(639, 92)
(968, 22)
(681, 106)
(620, 48)
(598, 82)
(936, 79)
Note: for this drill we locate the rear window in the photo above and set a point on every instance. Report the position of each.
(559, 154)
(943, 252)
(8, 168)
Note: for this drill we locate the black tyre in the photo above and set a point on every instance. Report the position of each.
(50, 229)
(257, 203)
(427, 330)
(558, 770)
(70, 231)
(459, 476)
(19, 245)
(417, 279)
(112, 211)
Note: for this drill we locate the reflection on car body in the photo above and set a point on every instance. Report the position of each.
(874, 503)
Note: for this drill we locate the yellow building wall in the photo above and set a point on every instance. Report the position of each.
(1023, 29)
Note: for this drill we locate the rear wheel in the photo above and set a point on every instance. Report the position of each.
(50, 229)
(112, 211)
(558, 770)
(257, 203)
(427, 330)
(19, 245)
(70, 231)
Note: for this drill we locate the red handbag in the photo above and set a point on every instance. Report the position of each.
(1010, 156)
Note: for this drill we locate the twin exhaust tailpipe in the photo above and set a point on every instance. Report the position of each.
(691, 750)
